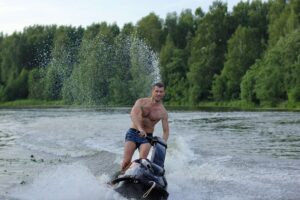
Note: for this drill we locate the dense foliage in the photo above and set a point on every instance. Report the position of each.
(250, 54)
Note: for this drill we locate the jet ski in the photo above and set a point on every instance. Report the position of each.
(144, 178)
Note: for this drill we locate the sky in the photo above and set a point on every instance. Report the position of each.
(17, 14)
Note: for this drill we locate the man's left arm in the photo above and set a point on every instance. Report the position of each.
(165, 126)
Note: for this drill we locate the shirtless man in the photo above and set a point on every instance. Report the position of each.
(145, 113)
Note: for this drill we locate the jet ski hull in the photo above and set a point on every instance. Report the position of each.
(138, 190)
(145, 179)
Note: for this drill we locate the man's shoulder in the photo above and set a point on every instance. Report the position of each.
(143, 100)
(164, 109)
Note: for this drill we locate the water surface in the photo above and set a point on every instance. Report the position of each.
(69, 154)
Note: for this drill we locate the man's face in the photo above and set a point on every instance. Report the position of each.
(158, 93)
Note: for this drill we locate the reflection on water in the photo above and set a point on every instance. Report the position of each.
(288, 122)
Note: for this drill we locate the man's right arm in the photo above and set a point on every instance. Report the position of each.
(136, 116)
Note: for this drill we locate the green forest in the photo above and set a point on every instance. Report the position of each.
(250, 54)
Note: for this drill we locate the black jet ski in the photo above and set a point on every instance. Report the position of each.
(145, 179)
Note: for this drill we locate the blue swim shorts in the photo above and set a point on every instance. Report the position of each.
(133, 135)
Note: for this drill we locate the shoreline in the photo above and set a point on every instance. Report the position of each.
(205, 106)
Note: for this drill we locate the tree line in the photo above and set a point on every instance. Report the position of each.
(251, 53)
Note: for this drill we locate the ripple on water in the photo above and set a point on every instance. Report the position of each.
(7, 139)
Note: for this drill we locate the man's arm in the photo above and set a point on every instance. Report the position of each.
(136, 116)
(165, 126)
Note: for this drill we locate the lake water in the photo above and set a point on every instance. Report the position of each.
(69, 154)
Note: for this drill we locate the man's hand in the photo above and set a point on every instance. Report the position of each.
(142, 133)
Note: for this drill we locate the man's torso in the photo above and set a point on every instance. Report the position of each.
(151, 114)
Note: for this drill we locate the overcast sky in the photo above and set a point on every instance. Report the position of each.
(17, 14)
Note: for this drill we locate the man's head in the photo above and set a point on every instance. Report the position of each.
(158, 91)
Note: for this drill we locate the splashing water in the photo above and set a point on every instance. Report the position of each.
(66, 182)
(147, 59)
(103, 71)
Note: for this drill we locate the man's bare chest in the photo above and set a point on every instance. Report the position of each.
(152, 113)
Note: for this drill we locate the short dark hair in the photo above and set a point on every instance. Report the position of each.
(158, 84)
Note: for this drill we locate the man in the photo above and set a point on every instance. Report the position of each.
(145, 113)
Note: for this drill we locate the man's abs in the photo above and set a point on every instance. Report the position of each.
(147, 125)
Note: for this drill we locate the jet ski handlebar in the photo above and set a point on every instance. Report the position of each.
(154, 139)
